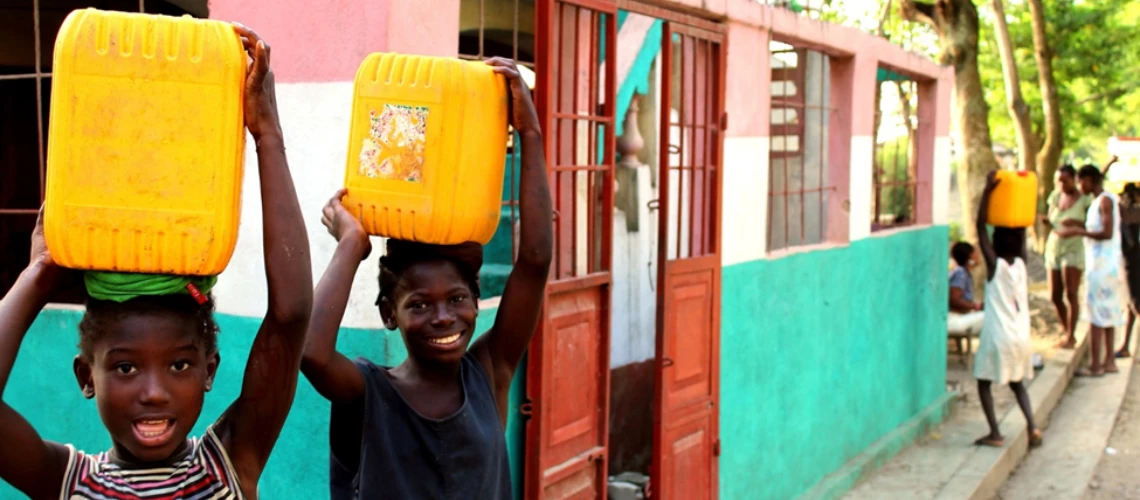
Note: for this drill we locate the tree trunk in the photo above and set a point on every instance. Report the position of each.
(956, 23)
(1018, 110)
(911, 142)
(1050, 154)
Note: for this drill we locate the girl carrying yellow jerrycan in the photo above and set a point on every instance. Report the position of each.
(148, 342)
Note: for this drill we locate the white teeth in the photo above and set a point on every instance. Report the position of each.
(152, 428)
(444, 340)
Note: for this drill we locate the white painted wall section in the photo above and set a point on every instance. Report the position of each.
(634, 322)
(315, 120)
(861, 186)
(744, 234)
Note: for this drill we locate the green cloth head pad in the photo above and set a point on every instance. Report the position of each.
(121, 287)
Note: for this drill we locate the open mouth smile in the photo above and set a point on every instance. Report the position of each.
(448, 341)
(153, 431)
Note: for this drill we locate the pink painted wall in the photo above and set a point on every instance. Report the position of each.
(325, 41)
(748, 83)
(855, 60)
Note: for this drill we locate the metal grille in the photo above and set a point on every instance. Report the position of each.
(694, 132)
(799, 181)
(895, 170)
(25, 91)
(502, 28)
(580, 137)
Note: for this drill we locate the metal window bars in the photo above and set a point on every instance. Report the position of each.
(22, 194)
(481, 37)
(799, 181)
(579, 113)
(694, 133)
(895, 166)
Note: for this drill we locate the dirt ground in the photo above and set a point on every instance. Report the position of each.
(1116, 473)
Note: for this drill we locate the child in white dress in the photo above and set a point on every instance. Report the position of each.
(1005, 352)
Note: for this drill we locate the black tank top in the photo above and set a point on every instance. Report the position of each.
(408, 456)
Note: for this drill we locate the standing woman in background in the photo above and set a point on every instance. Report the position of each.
(1103, 269)
(1065, 256)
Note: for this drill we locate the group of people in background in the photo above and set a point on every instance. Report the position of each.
(1094, 236)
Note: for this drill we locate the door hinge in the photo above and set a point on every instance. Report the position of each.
(724, 121)
(526, 410)
(716, 447)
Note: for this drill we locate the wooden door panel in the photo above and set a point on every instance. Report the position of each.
(688, 302)
(689, 310)
(573, 395)
(689, 444)
(573, 412)
(568, 364)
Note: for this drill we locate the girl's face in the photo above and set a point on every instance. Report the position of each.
(1086, 184)
(149, 376)
(1066, 182)
(435, 312)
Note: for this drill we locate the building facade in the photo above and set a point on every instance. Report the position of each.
(749, 293)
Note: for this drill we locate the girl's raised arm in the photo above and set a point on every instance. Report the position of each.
(502, 348)
(984, 243)
(332, 373)
(27, 462)
(250, 427)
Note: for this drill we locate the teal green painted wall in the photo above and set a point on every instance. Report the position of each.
(44, 391)
(824, 352)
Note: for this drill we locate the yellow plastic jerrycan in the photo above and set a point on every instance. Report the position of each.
(427, 148)
(1014, 200)
(145, 144)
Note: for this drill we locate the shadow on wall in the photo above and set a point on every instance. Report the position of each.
(631, 418)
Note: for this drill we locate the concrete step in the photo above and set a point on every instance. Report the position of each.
(1074, 440)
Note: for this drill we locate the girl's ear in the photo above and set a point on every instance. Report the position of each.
(83, 376)
(211, 369)
(387, 313)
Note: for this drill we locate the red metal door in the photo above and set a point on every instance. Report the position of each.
(568, 367)
(686, 438)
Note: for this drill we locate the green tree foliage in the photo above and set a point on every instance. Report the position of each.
(1095, 45)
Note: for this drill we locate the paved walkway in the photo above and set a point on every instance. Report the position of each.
(1074, 441)
(946, 464)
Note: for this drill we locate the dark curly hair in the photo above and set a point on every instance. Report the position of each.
(1090, 171)
(961, 252)
(101, 314)
(402, 255)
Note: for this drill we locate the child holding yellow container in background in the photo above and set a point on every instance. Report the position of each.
(1005, 352)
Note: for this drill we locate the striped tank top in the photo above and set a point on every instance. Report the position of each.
(205, 473)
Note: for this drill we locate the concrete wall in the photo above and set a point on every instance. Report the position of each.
(828, 347)
(823, 353)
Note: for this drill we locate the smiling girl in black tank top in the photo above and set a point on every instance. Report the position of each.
(432, 427)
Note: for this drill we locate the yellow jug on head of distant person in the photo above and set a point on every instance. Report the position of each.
(427, 148)
(145, 144)
(1014, 200)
